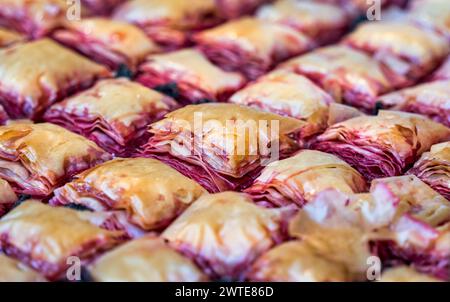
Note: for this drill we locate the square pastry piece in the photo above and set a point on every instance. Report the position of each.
(434, 168)
(101, 7)
(358, 8)
(37, 158)
(434, 14)
(222, 146)
(36, 74)
(324, 23)
(297, 179)
(251, 46)
(12, 270)
(9, 37)
(44, 237)
(114, 113)
(148, 259)
(34, 18)
(443, 73)
(418, 221)
(169, 22)
(113, 43)
(4, 117)
(225, 232)
(407, 49)
(430, 99)
(188, 76)
(383, 145)
(296, 261)
(231, 9)
(288, 94)
(348, 75)
(401, 220)
(151, 193)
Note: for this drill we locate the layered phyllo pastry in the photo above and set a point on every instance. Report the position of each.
(225, 232)
(235, 8)
(33, 18)
(384, 145)
(251, 45)
(443, 72)
(12, 270)
(109, 42)
(115, 114)
(101, 7)
(404, 273)
(401, 220)
(37, 158)
(148, 259)
(188, 76)
(349, 75)
(222, 146)
(35, 75)
(434, 168)
(418, 231)
(288, 94)
(434, 14)
(429, 99)
(150, 193)
(297, 179)
(322, 22)
(9, 37)
(56, 234)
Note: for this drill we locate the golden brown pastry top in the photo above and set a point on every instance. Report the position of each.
(149, 190)
(12, 270)
(148, 259)
(334, 230)
(428, 132)
(119, 102)
(27, 71)
(56, 233)
(339, 61)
